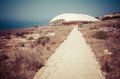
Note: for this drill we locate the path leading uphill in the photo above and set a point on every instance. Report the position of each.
(73, 59)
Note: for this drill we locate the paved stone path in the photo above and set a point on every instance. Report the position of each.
(72, 60)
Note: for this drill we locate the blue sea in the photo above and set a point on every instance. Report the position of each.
(15, 24)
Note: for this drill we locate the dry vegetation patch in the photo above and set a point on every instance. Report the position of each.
(105, 43)
(28, 49)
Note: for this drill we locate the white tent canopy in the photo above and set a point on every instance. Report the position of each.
(74, 17)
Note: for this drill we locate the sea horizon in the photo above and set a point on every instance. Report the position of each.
(17, 24)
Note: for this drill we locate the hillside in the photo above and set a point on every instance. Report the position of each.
(115, 15)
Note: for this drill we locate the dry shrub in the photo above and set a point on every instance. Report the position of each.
(21, 64)
(31, 38)
(43, 40)
(115, 64)
(3, 57)
(100, 35)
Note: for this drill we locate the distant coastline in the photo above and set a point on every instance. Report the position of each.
(15, 24)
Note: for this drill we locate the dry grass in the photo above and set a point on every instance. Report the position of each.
(22, 56)
(105, 37)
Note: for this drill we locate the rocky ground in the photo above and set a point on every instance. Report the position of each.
(104, 38)
(24, 51)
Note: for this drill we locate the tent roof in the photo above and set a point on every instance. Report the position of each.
(74, 17)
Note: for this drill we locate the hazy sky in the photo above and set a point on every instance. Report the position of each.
(47, 9)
